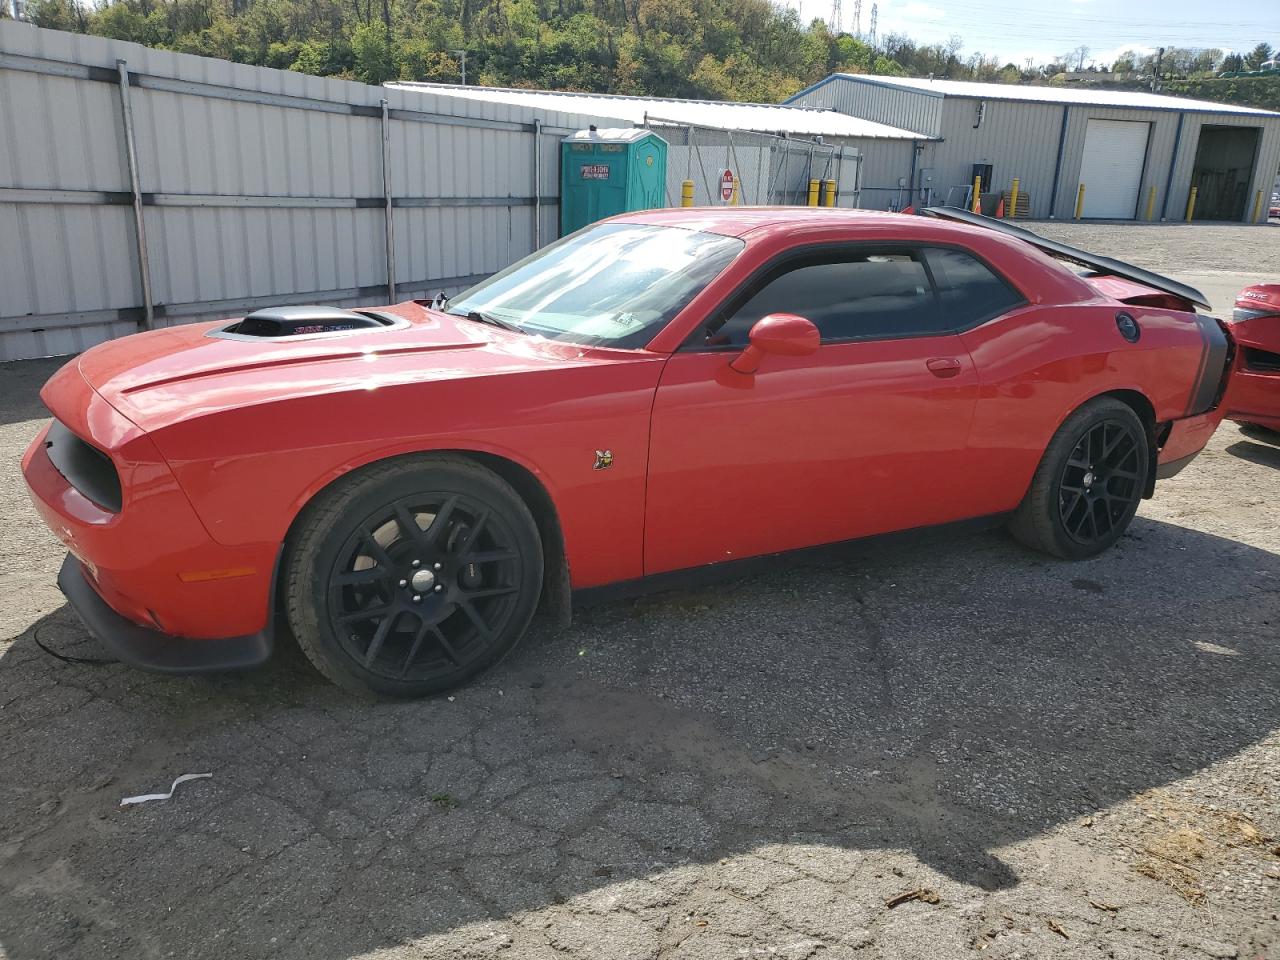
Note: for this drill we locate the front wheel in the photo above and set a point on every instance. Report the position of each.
(413, 576)
(1089, 482)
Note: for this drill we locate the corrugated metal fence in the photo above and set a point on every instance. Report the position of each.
(144, 188)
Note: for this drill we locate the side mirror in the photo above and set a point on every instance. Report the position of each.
(784, 334)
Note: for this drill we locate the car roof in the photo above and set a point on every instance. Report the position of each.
(741, 221)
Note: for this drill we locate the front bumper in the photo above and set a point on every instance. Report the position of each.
(152, 650)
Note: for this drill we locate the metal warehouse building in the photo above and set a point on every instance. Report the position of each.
(774, 149)
(1137, 155)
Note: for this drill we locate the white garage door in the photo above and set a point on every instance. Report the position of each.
(1111, 169)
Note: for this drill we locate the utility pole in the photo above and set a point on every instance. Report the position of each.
(857, 18)
(1155, 79)
(462, 55)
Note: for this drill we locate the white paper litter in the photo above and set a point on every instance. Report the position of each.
(143, 798)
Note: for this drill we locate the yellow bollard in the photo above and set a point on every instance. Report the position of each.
(1013, 200)
(1080, 201)
(1151, 204)
(828, 193)
(686, 194)
(813, 193)
(1191, 203)
(977, 194)
(1257, 206)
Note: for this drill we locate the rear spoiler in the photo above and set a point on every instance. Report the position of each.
(1116, 268)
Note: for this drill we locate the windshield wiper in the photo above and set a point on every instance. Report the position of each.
(479, 316)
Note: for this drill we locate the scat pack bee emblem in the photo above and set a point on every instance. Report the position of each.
(604, 459)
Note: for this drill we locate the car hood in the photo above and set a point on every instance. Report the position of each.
(165, 376)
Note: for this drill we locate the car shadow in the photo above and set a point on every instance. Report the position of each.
(949, 700)
(1259, 453)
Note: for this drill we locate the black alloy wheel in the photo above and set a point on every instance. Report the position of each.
(1100, 483)
(421, 588)
(1089, 482)
(412, 576)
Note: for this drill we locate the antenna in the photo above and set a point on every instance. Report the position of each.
(857, 18)
(836, 23)
(875, 15)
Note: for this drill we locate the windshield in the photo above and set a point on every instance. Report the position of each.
(612, 284)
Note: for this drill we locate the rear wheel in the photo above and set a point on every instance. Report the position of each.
(413, 576)
(1089, 482)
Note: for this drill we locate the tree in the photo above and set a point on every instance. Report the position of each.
(1232, 62)
(1259, 55)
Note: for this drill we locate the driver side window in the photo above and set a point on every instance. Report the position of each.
(858, 295)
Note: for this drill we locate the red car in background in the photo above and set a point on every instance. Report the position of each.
(652, 395)
(1253, 397)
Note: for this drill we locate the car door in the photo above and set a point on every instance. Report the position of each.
(867, 435)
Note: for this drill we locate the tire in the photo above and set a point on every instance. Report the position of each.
(380, 608)
(1088, 484)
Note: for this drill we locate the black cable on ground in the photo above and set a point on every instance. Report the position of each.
(66, 658)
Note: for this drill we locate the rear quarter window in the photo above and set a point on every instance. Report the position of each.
(969, 292)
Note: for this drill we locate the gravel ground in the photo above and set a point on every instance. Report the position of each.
(944, 751)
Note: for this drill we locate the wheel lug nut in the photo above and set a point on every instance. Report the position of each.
(439, 588)
(436, 566)
(404, 583)
(416, 563)
(417, 598)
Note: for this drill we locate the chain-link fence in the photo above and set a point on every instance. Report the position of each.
(765, 169)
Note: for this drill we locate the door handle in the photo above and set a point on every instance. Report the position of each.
(943, 366)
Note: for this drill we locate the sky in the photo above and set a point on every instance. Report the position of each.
(1044, 29)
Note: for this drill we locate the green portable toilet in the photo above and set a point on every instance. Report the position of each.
(604, 172)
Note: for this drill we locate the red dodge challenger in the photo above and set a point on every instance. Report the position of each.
(654, 394)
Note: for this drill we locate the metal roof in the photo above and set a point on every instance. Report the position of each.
(1033, 94)
(757, 117)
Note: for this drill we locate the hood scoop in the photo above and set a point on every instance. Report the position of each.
(276, 323)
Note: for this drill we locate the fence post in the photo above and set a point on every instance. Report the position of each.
(135, 186)
(386, 194)
(1079, 201)
(1191, 203)
(537, 181)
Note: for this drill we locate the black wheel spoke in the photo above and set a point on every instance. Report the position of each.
(445, 645)
(475, 618)
(490, 556)
(488, 592)
(473, 537)
(408, 524)
(363, 578)
(369, 613)
(440, 521)
(377, 552)
(379, 638)
(423, 628)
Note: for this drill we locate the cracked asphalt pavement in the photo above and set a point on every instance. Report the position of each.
(951, 749)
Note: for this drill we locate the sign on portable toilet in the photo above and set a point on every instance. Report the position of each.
(726, 186)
